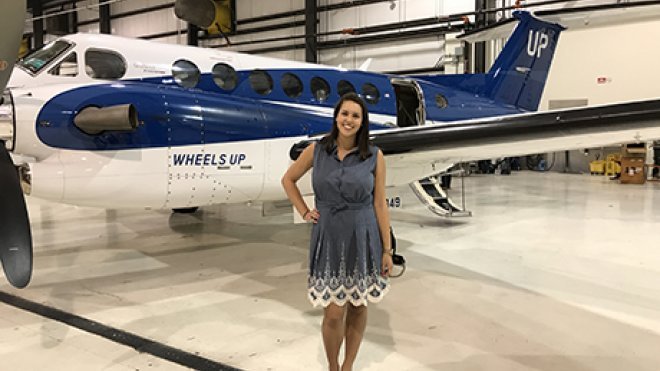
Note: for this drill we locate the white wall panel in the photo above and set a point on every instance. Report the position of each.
(416, 9)
(180, 39)
(339, 19)
(88, 10)
(403, 56)
(297, 55)
(615, 53)
(127, 6)
(456, 6)
(577, 4)
(408, 54)
(268, 35)
(388, 56)
(90, 28)
(257, 8)
(147, 24)
(380, 13)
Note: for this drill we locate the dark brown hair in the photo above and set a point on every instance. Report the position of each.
(362, 136)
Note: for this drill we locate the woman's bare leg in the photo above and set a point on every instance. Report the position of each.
(356, 322)
(333, 333)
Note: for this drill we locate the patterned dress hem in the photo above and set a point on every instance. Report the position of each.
(363, 299)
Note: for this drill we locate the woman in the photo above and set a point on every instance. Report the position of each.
(350, 249)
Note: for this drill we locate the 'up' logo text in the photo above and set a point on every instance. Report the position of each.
(536, 42)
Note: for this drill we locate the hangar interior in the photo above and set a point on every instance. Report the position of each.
(555, 269)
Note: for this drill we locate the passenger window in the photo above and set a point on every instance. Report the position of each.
(344, 87)
(370, 93)
(225, 76)
(291, 85)
(67, 67)
(104, 64)
(441, 101)
(185, 73)
(261, 82)
(320, 89)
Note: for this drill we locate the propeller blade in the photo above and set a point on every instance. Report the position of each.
(12, 20)
(15, 235)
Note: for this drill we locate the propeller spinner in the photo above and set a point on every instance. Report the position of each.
(15, 236)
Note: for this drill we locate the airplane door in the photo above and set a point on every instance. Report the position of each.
(189, 183)
(410, 110)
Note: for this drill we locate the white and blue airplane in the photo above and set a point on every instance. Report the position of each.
(105, 121)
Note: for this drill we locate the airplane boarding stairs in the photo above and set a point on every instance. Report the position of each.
(430, 192)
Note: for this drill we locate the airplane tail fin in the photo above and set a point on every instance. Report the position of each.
(519, 73)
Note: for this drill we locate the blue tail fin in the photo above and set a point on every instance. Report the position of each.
(520, 71)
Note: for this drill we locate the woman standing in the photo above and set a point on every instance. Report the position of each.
(350, 249)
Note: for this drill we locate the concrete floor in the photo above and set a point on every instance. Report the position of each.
(553, 272)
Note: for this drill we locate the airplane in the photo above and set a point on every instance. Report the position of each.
(112, 122)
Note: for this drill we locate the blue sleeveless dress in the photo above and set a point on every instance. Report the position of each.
(345, 247)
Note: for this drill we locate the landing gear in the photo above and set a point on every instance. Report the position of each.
(185, 210)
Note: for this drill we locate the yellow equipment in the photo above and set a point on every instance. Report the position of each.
(24, 48)
(613, 164)
(223, 18)
(213, 15)
(597, 167)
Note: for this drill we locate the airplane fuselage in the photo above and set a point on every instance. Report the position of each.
(214, 126)
(196, 143)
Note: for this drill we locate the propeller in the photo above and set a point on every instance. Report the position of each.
(15, 236)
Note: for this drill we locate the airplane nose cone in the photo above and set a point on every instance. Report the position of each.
(7, 120)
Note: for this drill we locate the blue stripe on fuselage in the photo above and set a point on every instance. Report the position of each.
(173, 116)
(176, 116)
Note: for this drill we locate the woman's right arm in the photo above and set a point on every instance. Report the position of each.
(295, 172)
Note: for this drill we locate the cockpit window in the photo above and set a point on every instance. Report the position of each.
(39, 59)
(67, 67)
(104, 64)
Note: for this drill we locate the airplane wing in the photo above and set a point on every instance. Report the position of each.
(16, 242)
(441, 145)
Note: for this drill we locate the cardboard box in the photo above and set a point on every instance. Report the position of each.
(632, 170)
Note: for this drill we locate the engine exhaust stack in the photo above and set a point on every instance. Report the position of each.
(94, 120)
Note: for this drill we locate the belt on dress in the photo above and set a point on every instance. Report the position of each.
(336, 207)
